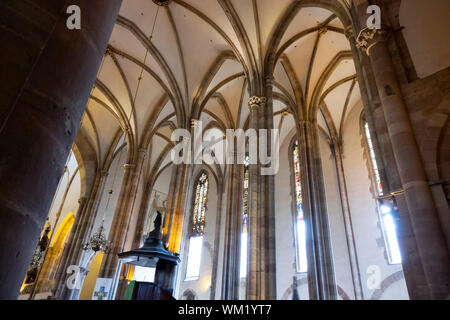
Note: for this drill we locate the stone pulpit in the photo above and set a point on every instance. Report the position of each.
(153, 255)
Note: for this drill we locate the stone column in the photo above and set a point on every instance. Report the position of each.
(122, 215)
(48, 72)
(431, 244)
(321, 279)
(230, 280)
(253, 291)
(268, 241)
(62, 266)
(350, 236)
(170, 204)
(81, 230)
(178, 209)
(261, 281)
(215, 260)
(142, 215)
(261, 275)
(372, 110)
(173, 221)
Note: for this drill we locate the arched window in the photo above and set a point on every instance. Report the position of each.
(244, 238)
(376, 171)
(300, 228)
(386, 209)
(198, 224)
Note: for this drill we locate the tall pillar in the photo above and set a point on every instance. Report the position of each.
(349, 234)
(230, 280)
(268, 241)
(253, 291)
(261, 277)
(321, 278)
(143, 210)
(177, 212)
(170, 204)
(84, 221)
(60, 271)
(122, 215)
(215, 259)
(173, 222)
(48, 72)
(431, 244)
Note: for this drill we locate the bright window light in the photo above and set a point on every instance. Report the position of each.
(194, 258)
(244, 234)
(373, 159)
(243, 267)
(391, 235)
(302, 263)
(301, 247)
(142, 274)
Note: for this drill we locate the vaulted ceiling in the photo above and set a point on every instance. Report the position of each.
(200, 63)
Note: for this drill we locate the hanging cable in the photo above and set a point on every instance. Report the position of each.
(112, 187)
(145, 59)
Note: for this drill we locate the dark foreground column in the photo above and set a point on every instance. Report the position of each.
(47, 72)
(425, 224)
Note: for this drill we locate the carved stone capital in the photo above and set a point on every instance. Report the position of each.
(195, 123)
(349, 32)
(269, 80)
(255, 102)
(367, 38)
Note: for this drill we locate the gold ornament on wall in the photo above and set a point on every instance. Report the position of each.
(367, 38)
(162, 3)
(256, 101)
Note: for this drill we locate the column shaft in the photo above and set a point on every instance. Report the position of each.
(253, 256)
(321, 278)
(48, 72)
(230, 283)
(80, 232)
(122, 216)
(350, 237)
(261, 274)
(425, 221)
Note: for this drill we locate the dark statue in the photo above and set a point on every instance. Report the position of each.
(38, 256)
(158, 221)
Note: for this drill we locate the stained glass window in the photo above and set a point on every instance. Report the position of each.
(386, 211)
(201, 195)
(302, 264)
(244, 238)
(198, 225)
(373, 159)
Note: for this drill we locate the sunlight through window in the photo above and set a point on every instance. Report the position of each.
(194, 258)
(198, 224)
(244, 233)
(391, 235)
(302, 261)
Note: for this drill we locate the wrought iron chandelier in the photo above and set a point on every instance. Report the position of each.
(98, 242)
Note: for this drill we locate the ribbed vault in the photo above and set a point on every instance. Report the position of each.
(204, 59)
